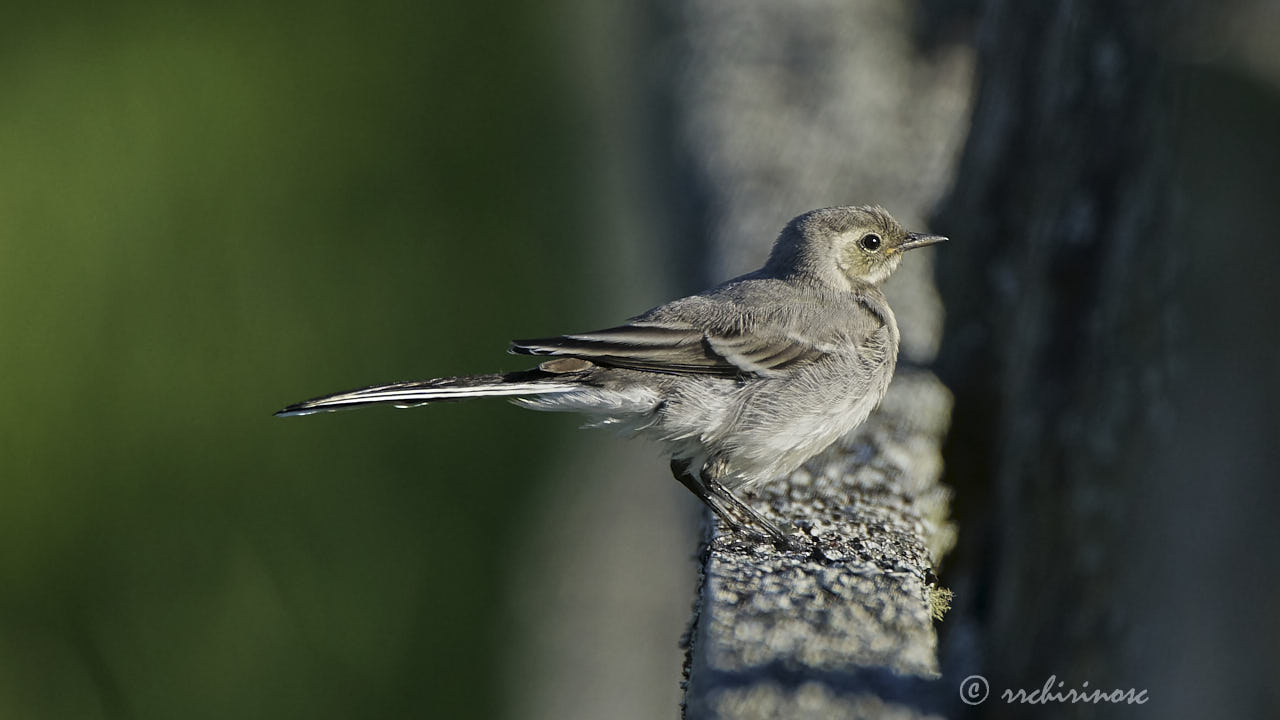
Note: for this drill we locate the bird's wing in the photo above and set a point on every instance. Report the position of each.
(676, 347)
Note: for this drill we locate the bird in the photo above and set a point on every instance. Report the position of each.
(740, 384)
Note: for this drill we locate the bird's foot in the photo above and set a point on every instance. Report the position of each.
(741, 518)
(773, 535)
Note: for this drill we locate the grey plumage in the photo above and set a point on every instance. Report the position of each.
(741, 383)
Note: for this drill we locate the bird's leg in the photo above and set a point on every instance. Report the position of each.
(712, 472)
(723, 494)
(735, 513)
(680, 469)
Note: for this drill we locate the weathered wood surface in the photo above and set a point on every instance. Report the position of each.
(1060, 340)
(782, 108)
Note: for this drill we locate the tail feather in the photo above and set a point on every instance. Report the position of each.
(421, 392)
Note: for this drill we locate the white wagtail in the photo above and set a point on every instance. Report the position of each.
(743, 382)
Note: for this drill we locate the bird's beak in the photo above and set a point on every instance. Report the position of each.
(919, 240)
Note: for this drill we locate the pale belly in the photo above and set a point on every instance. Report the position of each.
(778, 428)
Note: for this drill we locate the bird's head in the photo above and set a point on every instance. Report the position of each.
(845, 247)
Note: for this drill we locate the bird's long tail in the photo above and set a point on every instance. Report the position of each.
(421, 392)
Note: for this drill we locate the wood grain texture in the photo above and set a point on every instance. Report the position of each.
(782, 108)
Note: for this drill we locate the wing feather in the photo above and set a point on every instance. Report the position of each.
(679, 349)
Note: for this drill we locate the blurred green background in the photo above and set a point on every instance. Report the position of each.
(208, 211)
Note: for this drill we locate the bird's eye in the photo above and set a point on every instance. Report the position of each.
(870, 242)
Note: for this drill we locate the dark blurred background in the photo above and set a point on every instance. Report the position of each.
(207, 212)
